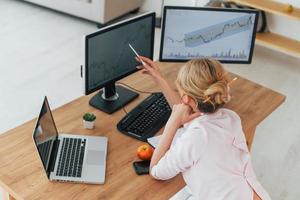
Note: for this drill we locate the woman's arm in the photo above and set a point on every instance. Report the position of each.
(151, 69)
(181, 114)
(164, 142)
(171, 95)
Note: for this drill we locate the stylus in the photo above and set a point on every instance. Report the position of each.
(136, 53)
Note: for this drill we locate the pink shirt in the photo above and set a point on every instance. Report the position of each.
(213, 158)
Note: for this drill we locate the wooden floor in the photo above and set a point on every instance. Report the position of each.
(40, 54)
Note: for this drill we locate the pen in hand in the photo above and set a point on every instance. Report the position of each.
(134, 51)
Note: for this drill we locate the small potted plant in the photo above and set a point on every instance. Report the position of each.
(89, 120)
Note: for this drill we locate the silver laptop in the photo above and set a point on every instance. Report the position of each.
(67, 157)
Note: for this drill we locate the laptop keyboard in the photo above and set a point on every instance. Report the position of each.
(71, 157)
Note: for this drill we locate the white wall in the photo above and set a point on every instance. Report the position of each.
(293, 2)
(284, 25)
(180, 2)
(152, 5)
(155, 5)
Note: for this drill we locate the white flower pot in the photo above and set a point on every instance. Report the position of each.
(88, 124)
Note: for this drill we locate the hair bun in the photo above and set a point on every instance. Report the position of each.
(218, 92)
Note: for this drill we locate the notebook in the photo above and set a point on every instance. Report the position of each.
(153, 141)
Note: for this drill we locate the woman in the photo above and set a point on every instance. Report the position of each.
(211, 153)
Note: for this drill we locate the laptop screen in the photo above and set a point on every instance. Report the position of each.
(45, 134)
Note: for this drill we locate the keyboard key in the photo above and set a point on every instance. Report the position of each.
(147, 118)
(71, 157)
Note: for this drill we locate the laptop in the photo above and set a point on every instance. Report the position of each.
(66, 157)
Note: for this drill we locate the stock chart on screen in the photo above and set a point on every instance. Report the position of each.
(226, 36)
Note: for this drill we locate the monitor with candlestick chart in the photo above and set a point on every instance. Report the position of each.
(224, 34)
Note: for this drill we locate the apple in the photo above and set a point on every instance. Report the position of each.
(144, 152)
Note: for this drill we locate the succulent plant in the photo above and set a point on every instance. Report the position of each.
(89, 117)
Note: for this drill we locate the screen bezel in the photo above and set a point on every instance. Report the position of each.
(166, 8)
(109, 28)
(45, 102)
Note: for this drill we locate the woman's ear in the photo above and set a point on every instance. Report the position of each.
(189, 101)
(185, 99)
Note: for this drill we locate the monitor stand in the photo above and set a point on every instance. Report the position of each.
(112, 97)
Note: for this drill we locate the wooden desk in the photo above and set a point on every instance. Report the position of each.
(22, 175)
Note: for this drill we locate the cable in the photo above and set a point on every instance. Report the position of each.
(125, 111)
(140, 91)
(128, 86)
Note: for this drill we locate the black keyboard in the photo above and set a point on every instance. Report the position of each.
(147, 118)
(71, 157)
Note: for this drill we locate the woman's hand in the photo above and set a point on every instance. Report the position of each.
(149, 68)
(181, 114)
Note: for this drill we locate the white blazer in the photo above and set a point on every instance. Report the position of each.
(213, 157)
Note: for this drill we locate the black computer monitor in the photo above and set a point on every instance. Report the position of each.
(108, 58)
(193, 32)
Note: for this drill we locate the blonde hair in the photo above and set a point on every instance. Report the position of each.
(206, 81)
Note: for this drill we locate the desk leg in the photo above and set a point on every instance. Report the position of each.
(249, 136)
(6, 195)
